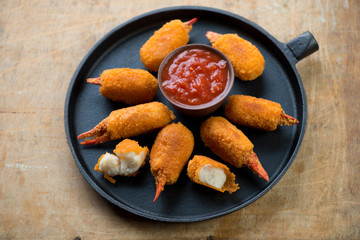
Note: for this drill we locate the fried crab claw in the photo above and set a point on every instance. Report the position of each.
(129, 122)
(126, 85)
(169, 37)
(231, 145)
(257, 113)
(169, 154)
(247, 60)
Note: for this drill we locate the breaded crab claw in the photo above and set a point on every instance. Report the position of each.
(129, 122)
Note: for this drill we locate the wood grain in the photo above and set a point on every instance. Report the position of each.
(42, 193)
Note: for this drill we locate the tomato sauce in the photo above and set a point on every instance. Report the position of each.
(195, 76)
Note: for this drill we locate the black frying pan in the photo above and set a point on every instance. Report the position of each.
(186, 201)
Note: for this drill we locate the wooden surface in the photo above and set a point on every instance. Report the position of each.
(44, 196)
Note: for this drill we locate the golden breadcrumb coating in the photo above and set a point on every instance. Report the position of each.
(170, 36)
(198, 162)
(169, 154)
(128, 145)
(230, 144)
(226, 141)
(129, 86)
(139, 119)
(255, 112)
(245, 57)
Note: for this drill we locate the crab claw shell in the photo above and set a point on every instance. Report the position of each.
(159, 189)
(96, 140)
(99, 132)
(212, 36)
(287, 120)
(191, 22)
(254, 164)
(96, 81)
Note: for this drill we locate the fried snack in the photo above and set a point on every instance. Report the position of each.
(256, 113)
(231, 145)
(170, 36)
(129, 122)
(246, 59)
(169, 154)
(129, 158)
(210, 173)
(129, 86)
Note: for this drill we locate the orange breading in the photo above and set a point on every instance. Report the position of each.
(256, 113)
(128, 145)
(129, 86)
(198, 162)
(245, 57)
(170, 36)
(226, 141)
(230, 144)
(129, 122)
(139, 119)
(169, 154)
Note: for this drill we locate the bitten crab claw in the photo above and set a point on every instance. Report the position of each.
(99, 134)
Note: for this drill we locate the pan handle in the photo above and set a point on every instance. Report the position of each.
(302, 46)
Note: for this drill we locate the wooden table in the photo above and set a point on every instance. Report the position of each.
(44, 196)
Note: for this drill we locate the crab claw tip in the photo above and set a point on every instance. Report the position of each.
(191, 22)
(212, 36)
(255, 165)
(96, 81)
(287, 120)
(159, 189)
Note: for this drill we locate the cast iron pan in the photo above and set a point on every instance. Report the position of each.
(186, 201)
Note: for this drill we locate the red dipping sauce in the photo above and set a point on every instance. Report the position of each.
(195, 76)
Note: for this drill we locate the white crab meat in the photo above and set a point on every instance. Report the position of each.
(131, 162)
(212, 176)
(122, 164)
(110, 164)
